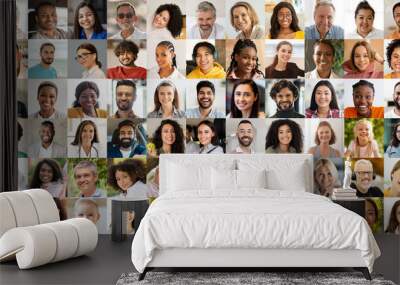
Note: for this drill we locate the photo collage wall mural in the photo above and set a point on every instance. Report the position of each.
(104, 87)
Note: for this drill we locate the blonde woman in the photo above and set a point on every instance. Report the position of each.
(363, 145)
(245, 21)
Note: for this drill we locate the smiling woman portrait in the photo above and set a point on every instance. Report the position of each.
(87, 57)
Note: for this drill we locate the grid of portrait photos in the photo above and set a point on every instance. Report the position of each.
(104, 87)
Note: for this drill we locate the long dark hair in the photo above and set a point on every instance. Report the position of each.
(394, 141)
(237, 49)
(275, 27)
(393, 222)
(333, 104)
(235, 112)
(92, 49)
(178, 146)
(55, 167)
(175, 22)
(278, 46)
(97, 28)
(297, 135)
(82, 87)
(78, 134)
(214, 139)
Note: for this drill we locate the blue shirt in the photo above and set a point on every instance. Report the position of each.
(38, 71)
(335, 32)
(195, 113)
(95, 36)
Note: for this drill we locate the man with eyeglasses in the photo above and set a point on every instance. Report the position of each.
(363, 98)
(364, 177)
(394, 112)
(126, 19)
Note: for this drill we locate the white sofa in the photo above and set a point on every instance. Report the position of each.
(31, 231)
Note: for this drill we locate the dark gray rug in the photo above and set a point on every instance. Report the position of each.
(243, 278)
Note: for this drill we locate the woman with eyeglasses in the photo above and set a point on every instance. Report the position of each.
(393, 149)
(87, 23)
(86, 56)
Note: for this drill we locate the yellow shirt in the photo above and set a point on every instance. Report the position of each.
(299, 35)
(217, 72)
(390, 76)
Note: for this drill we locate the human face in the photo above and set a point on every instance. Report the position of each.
(88, 211)
(284, 18)
(161, 20)
(244, 98)
(124, 181)
(324, 134)
(205, 20)
(204, 59)
(323, 96)
(284, 53)
(164, 56)
(47, 99)
(126, 17)
(126, 136)
(45, 173)
(205, 134)
(323, 57)
(46, 134)
(85, 180)
(396, 16)
(364, 21)
(87, 134)
(364, 174)
(86, 58)
(284, 135)
(395, 187)
(323, 18)
(370, 213)
(86, 18)
(205, 98)
(363, 132)
(47, 55)
(363, 97)
(166, 96)
(125, 97)
(396, 97)
(127, 58)
(245, 134)
(246, 60)
(284, 99)
(168, 135)
(241, 19)
(395, 60)
(325, 180)
(361, 58)
(398, 133)
(88, 100)
(46, 19)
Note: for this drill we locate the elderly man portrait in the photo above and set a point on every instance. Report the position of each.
(86, 177)
(364, 178)
(323, 27)
(206, 27)
(126, 19)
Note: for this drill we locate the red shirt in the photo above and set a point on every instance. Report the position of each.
(122, 72)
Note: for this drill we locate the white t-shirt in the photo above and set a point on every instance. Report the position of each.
(391, 114)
